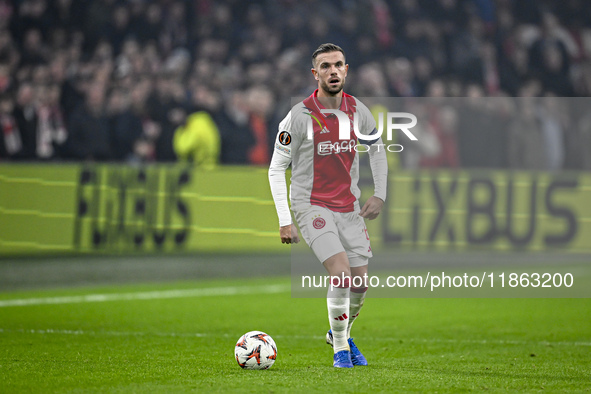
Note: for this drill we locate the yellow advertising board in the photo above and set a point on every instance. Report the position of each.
(47, 208)
(490, 210)
(117, 208)
(37, 208)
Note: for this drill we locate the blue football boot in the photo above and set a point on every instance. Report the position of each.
(342, 359)
(356, 357)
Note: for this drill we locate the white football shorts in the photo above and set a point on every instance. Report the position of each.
(316, 223)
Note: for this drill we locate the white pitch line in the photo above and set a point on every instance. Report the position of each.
(149, 295)
(496, 341)
(51, 331)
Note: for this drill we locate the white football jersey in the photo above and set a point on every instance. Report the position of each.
(325, 168)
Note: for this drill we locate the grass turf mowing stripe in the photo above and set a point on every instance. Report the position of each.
(433, 345)
(149, 295)
(50, 331)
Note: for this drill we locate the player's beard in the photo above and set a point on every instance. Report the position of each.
(332, 91)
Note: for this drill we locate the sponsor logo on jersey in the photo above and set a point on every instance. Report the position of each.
(329, 148)
(284, 138)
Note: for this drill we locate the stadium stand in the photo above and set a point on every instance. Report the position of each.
(113, 80)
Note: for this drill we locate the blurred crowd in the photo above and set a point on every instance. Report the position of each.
(208, 81)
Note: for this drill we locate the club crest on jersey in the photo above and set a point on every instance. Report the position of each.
(318, 223)
(284, 138)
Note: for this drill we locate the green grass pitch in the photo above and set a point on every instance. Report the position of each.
(175, 338)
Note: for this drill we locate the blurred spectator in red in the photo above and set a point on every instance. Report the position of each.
(51, 130)
(260, 102)
(427, 145)
(5, 78)
(444, 124)
(10, 143)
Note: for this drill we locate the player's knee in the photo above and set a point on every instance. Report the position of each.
(338, 264)
(340, 272)
(358, 263)
(344, 274)
(340, 279)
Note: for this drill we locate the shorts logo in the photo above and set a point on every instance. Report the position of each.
(318, 223)
(284, 138)
(366, 233)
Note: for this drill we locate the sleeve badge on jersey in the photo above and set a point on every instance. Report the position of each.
(282, 149)
(284, 138)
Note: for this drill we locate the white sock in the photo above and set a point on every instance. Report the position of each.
(357, 296)
(337, 302)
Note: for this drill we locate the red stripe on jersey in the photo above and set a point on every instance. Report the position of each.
(333, 158)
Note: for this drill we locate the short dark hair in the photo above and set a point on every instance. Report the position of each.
(325, 48)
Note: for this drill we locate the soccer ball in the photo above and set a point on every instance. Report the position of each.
(255, 350)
